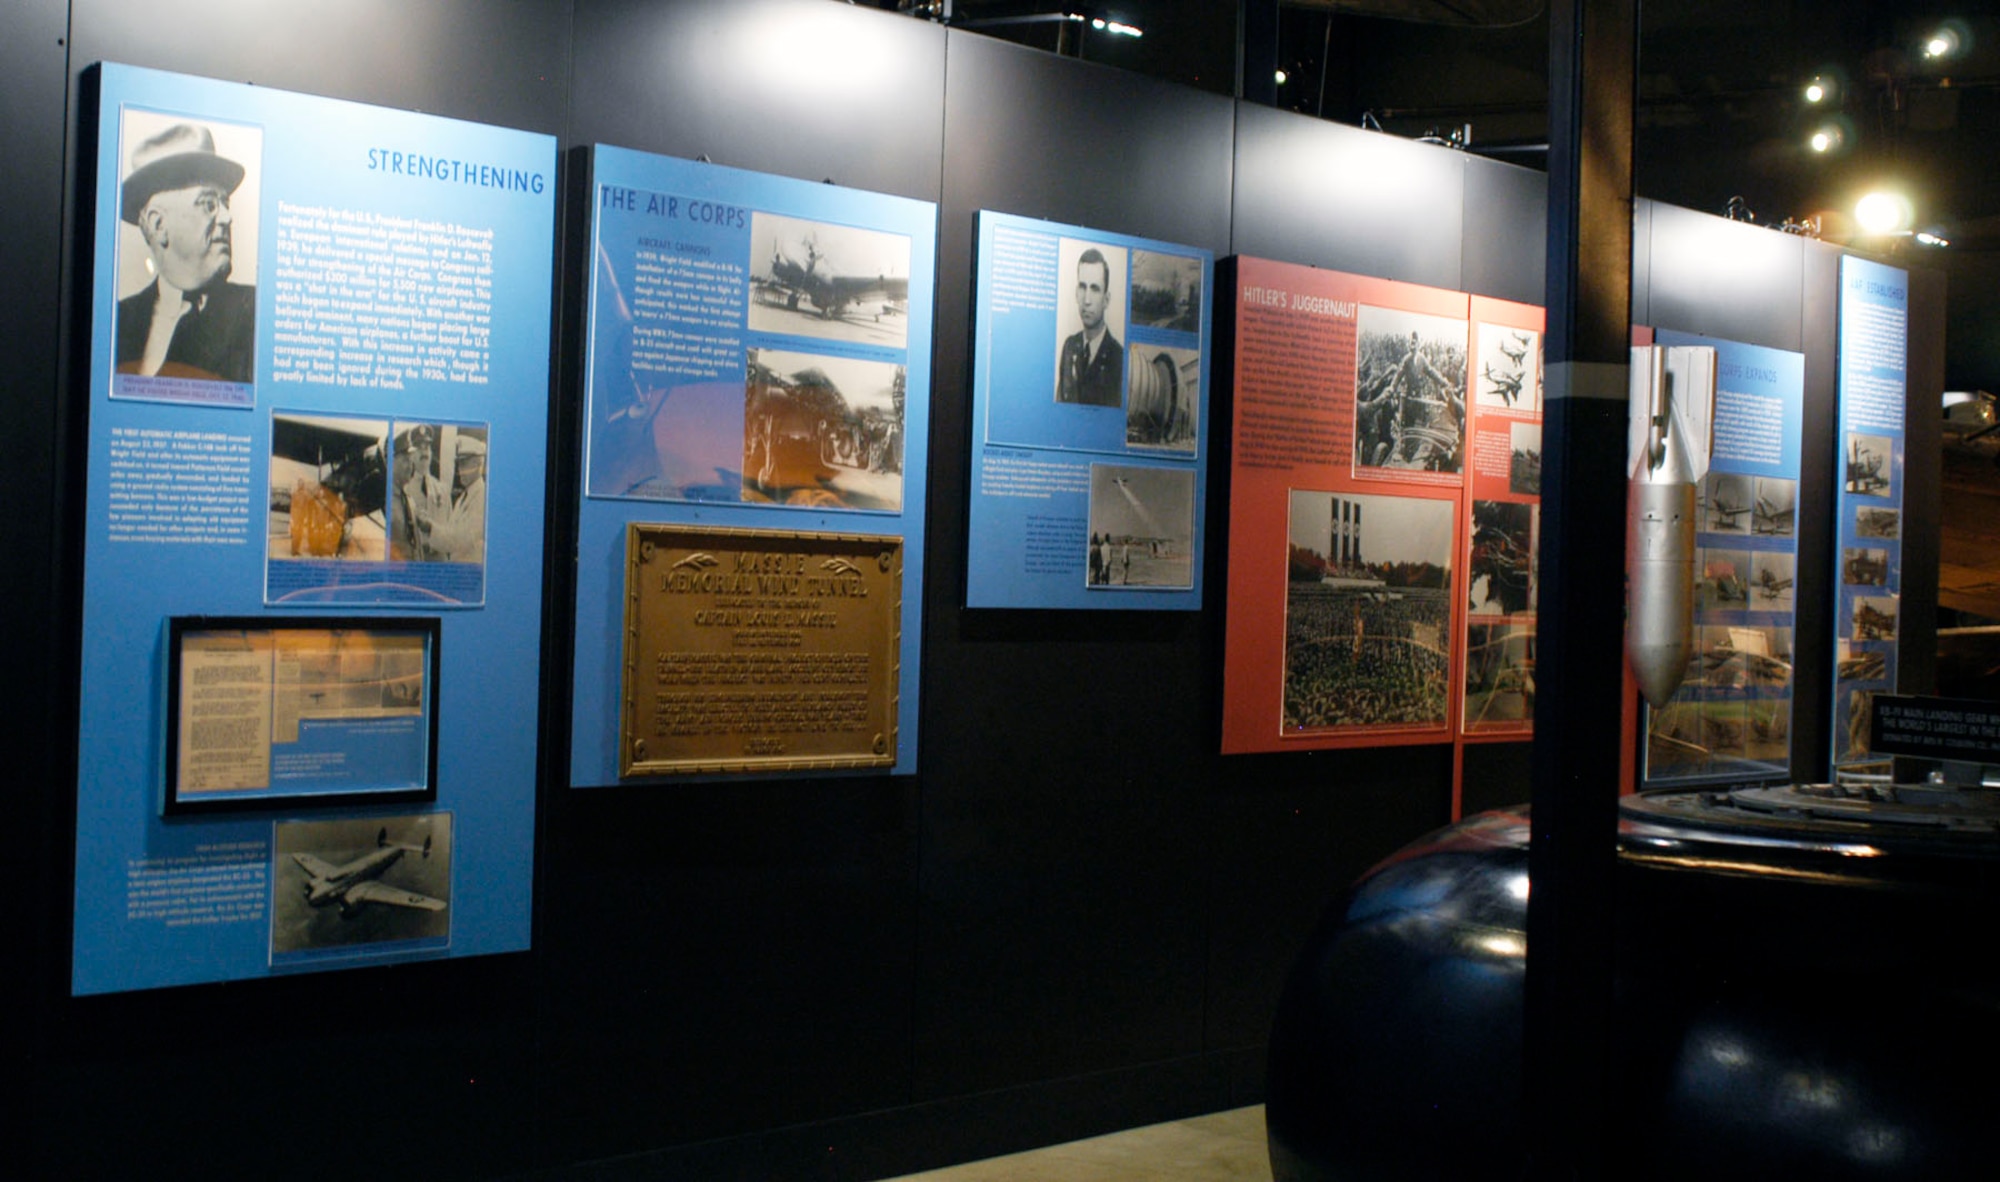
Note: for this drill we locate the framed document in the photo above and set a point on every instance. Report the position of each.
(265, 712)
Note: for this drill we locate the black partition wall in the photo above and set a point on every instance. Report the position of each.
(1075, 917)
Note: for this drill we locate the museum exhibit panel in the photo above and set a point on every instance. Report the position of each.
(701, 286)
(318, 341)
(1089, 394)
(758, 413)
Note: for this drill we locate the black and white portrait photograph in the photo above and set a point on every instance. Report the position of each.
(1166, 291)
(821, 431)
(1867, 464)
(1871, 522)
(1409, 391)
(818, 279)
(1141, 528)
(1163, 403)
(437, 498)
(359, 881)
(1090, 323)
(1725, 503)
(1524, 460)
(329, 488)
(187, 247)
(1500, 571)
(1510, 368)
(1722, 580)
(1772, 573)
(1367, 610)
(1776, 513)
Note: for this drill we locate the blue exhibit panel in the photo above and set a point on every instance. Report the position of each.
(1090, 411)
(367, 280)
(1873, 383)
(1731, 720)
(721, 302)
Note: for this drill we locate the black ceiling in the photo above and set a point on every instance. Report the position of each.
(1721, 108)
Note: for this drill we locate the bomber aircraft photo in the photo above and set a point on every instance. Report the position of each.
(354, 884)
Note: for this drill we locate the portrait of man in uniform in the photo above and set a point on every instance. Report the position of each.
(1090, 370)
(186, 319)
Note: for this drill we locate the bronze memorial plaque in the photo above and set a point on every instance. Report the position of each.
(755, 650)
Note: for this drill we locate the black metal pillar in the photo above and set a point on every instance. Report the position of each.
(1257, 51)
(1579, 658)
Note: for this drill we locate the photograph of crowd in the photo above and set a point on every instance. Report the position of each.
(1367, 611)
(1409, 391)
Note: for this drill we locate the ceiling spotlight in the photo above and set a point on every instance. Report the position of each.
(1829, 135)
(1882, 213)
(1947, 40)
(1815, 91)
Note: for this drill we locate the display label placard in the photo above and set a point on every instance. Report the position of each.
(759, 650)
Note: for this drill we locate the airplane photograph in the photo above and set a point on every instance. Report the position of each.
(1722, 585)
(1777, 509)
(1509, 368)
(1875, 617)
(1866, 457)
(1771, 578)
(349, 882)
(819, 279)
(329, 487)
(1745, 658)
(1726, 502)
(1860, 664)
(1864, 566)
(1870, 522)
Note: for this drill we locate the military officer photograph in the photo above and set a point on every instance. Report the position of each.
(189, 202)
(1090, 369)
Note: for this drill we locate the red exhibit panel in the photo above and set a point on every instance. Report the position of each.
(1347, 494)
(1503, 480)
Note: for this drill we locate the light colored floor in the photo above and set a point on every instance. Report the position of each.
(1220, 1147)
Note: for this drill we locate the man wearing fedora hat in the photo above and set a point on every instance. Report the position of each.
(190, 322)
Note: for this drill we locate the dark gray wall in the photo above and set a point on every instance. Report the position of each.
(1075, 918)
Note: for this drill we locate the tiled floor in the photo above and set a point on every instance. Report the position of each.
(1220, 1147)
